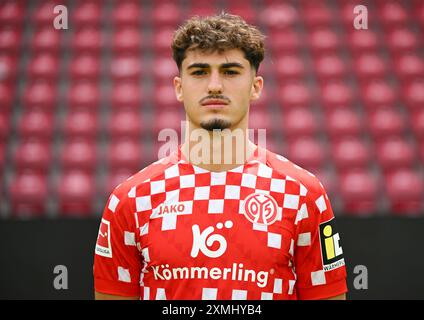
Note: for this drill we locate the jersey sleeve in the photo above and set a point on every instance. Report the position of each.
(117, 260)
(318, 255)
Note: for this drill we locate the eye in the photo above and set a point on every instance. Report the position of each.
(231, 72)
(198, 72)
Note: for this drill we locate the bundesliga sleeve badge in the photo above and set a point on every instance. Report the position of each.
(103, 245)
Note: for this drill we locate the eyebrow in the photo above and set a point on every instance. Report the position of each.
(224, 65)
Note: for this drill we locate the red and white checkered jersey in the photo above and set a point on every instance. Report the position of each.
(263, 230)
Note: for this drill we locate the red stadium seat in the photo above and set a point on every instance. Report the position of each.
(395, 153)
(125, 68)
(328, 181)
(127, 13)
(166, 15)
(87, 13)
(267, 97)
(363, 41)
(37, 124)
(10, 40)
(343, 122)
(260, 119)
(164, 70)
(330, 67)
(46, 39)
(85, 67)
(125, 124)
(378, 94)
(76, 192)
(202, 9)
(2, 156)
(393, 15)
(125, 154)
(317, 15)
(33, 155)
(307, 153)
(161, 41)
(244, 10)
(84, 96)
(160, 150)
(413, 94)
(29, 193)
(370, 66)
(417, 121)
(44, 67)
(113, 179)
(44, 13)
(126, 95)
(359, 192)
(299, 123)
(386, 122)
(81, 124)
(323, 41)
(289, 67)
(336, 94)
(164, 97)
(405, 192)
(270, 142)
(11, 13)
(204, 3)
(8, 68)
(40, 95)
(267, 69)
(421, 150)
(127, 40)
(5, 121)
(7, 93)
(284, 42)
(168, 119)
(350, 153)
(87, 40)
(402, 40)
(419, 13)
(79, 155)
(409, 66)
(347, 13)
(279, 16)
(294, 95)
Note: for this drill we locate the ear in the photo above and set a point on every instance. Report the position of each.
(257, 85)
(178, 89)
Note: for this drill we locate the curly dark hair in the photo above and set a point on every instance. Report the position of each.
(218, 33)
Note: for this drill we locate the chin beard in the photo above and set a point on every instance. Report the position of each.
(214, 124)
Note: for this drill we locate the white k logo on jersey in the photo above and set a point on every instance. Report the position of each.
(202, 241)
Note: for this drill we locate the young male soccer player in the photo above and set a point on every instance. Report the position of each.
(215, 220)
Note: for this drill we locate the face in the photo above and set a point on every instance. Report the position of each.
(216, 88)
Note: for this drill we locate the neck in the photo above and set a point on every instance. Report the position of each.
(217, 150)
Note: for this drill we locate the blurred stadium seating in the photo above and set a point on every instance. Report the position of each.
(80, 109)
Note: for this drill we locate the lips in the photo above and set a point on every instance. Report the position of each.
(214, 102)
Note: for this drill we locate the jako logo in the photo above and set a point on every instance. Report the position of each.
(203, 241)
(172, 208)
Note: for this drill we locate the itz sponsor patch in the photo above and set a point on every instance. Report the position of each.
(331, 249)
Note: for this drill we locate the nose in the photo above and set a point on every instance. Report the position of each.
(215, 83)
